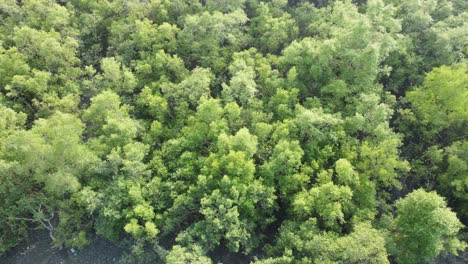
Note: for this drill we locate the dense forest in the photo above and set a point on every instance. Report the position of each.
(274, 131)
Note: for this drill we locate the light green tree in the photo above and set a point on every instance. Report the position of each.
(425, 228)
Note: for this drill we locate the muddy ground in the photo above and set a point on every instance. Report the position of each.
(37, 250)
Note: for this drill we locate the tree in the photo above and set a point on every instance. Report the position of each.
(232, 204)
(13, 189)
(440, 103)
(180, 255)
(203, 37)
(281, 170)
(343, 50)
(302, 242)
(434, 128)
(225, 5)
(432, 31)
(272, 33)
(39, 168)
(46, 15)
(453, 181)
(326, 202)
(364, 245)
(273, 131)
(51, 153)
(191, 89)
(242, 87)
(12, 63)
(11, 121)
(115, 77)
(110, 124)
(241, 141)
(425, 228)
(49, 51)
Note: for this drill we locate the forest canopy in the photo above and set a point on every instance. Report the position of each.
(272, 131)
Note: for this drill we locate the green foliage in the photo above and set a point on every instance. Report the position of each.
(191, 89)
(435, 128)
(301, 242)
(115, 77)
(266, 130)
(272, 32)
(51, 152)
(425, 227)
(326, 202)
(242, 86)
(204, 35)
(432, 36)
(11, 121)
(344, 49)
(453, 182)
(109, 122)
(441, 102)
(180, 255)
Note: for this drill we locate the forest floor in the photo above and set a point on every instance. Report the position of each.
(38, 250)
